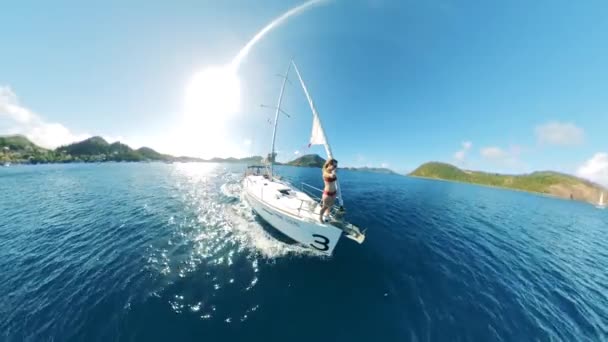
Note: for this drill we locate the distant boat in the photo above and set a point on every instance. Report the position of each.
(601, 204)
(6, 164)
(295, 212)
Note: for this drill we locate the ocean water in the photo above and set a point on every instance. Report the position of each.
(169, 252)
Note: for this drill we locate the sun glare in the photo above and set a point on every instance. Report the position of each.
(212, 95)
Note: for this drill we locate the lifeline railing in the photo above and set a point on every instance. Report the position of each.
(312, 191)
(308, 189)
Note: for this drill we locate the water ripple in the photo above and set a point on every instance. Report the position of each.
(171, 252)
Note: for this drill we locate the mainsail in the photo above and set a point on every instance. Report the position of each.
(318, 136)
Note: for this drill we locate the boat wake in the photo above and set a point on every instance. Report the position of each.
(247, 230)
(215, 249)
(231, 190)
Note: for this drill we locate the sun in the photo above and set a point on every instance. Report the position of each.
(212, 96)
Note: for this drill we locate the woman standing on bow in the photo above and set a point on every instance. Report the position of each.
(330, 189)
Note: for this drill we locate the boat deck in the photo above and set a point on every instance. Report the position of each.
(286, 199)
(283, 197)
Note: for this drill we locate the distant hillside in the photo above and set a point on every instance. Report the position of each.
(90, 146)
(17, 143)
(19, 149)
(372, 169)
(184, 159)
(97, 149)
(251, 160)
(544, 182)
(314, 160)
(246, 160)
(309, 160)
(149, 153)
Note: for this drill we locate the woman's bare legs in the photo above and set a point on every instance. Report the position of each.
(323, 209)
(327, 202)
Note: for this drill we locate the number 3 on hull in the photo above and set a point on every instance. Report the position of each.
(298, 225)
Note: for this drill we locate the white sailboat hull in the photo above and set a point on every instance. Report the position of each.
(294, 214)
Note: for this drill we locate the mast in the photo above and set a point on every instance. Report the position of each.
(276, 121)
(315, 115)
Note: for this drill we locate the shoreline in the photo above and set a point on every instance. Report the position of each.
(504, 188)
(13, 163)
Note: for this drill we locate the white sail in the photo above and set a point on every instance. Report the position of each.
(601, 199)
(318, 136)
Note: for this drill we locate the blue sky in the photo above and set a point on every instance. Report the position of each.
(507, 86)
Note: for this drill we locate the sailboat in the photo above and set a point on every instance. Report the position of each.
(601, 204)
(292, 211)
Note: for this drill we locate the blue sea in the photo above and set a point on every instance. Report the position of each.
(169, 252)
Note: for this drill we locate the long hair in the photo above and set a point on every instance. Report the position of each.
(328, 162)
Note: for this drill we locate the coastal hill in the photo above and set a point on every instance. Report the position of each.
(245, 160)
(314, 160)
(308, 160)
(97, 149)
(18, 143)
(17, 149)
(543, 182)
(372, 169)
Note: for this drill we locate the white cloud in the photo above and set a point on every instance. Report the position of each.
(296, 152)
(22, 120)
(384, 165)
(560, 133)
(182, 139)
(461, 154)
(493, 152)
(595, 169)
(508, 159)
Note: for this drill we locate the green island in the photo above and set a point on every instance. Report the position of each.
(314, 160)
(17, 149)
(543, 182)
(307, 160)
(382, 170)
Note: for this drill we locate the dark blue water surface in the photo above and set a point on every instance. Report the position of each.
(158, 252)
